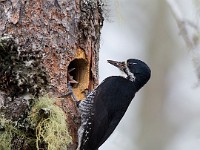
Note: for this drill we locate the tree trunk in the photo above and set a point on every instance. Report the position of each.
(40, 41)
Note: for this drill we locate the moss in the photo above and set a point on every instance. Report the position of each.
(5, 134)
(8, 132)
(49, 122)
(21, 72)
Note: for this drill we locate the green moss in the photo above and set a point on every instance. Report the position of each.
(49, 122)
(8, 132)
(5, 134)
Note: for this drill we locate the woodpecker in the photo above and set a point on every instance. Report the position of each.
(105, 106)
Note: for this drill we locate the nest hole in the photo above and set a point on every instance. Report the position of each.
(80, 71)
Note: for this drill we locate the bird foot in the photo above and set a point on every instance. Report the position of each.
(86, 92)
(70, 92)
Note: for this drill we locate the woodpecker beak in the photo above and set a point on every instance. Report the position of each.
(120, 65)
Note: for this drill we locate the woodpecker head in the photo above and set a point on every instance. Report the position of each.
(136, 70)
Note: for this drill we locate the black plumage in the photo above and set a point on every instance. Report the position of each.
(104, 107)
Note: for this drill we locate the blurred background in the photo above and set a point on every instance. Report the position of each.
(165, 114)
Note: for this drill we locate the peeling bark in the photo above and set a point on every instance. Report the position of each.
(38, 41)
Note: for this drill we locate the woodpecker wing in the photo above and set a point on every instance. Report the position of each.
(90, 137)
(111, 125)
(110, 104)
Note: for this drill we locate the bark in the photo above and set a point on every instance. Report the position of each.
(39, 42)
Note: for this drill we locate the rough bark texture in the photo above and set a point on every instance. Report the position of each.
(39, 42)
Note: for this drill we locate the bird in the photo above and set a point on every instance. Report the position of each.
(102, 110)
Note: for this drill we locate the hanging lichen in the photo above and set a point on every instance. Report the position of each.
(8, 131)
(50, 124)
(5, 134)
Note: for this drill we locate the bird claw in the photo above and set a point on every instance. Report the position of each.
(86, 92)
(70, 92)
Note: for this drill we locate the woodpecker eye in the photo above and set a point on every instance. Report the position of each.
(131, 63)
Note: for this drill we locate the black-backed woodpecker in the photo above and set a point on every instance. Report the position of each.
(105, 106)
